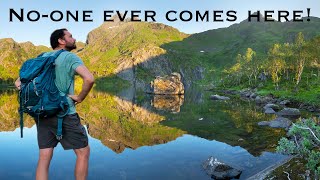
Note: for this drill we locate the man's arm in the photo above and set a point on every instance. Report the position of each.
(88, 81)
(17, 83)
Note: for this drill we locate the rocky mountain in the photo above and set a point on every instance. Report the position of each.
(130, 50)
(221, 46)
(140, 51)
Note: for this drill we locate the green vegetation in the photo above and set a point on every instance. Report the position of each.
(12, 55)
(234, 57)
(107, 118)
(126, 45)
(291, 71)
(304, 142)
(115, 47)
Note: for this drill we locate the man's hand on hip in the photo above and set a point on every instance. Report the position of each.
(76, 99)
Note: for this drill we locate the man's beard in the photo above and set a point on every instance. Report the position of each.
(70, 47)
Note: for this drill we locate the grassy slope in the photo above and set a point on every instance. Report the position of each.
(13, 54)
(110, 44)
(221, 46)
(308, 90)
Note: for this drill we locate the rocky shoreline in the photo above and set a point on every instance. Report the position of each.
(287, 111)
(251, 94)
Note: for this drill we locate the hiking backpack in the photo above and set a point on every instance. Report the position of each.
(39, 96)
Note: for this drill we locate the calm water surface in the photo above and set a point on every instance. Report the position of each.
(134, 136)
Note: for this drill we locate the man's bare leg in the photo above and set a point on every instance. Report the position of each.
(45, 156)
(82, 163)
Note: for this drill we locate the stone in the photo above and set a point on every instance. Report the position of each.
(289, 112)
(253, 95)
(264, 123)
(219, 170)
(284, 102)
(262, 77)
(269, 111)
(272, 106)
(311, 108)
(267, 99)
(279, 122)
(258, 100)
(170, 84)
(217, 97)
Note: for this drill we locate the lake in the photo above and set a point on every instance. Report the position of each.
(137, 136)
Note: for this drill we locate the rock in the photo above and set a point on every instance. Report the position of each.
(232, 92)
(266, 100)
(262, 77)
(284, 102)
(279, 122)
(253, 95)
(245, 92)
(303, 106)
(217, 97)
(258, 100)
(311, 108)
(167, 85)
(264, 123)
(289, 112)
(307, 107)
(219, 170)
(269, 111)
(272, 106)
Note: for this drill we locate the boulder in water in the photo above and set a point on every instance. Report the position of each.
(289, 113)
(219, 170)
(170, 84)
(279, 122)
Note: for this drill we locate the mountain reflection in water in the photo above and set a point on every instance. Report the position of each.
(132, 138)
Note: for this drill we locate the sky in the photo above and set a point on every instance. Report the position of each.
(38, 32)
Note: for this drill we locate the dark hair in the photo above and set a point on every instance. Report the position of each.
(55, 36)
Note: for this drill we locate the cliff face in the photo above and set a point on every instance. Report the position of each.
(131, 50)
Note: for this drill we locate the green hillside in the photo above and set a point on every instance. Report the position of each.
(128, 44)
(13, 54)
(139, 51)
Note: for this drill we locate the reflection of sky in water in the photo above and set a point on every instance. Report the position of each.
(179, 159)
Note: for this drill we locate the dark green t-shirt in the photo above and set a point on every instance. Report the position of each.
(66, 64)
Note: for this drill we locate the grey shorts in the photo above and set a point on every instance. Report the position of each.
(74, 134)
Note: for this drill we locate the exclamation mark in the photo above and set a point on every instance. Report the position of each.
(308, 11)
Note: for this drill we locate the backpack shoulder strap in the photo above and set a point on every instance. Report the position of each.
(58, 53)
(41, 54)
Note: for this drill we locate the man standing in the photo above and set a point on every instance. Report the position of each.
(75, 137)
